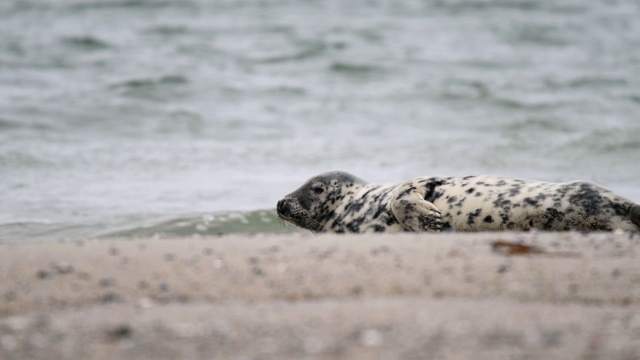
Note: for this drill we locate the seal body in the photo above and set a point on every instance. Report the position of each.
(340, 202)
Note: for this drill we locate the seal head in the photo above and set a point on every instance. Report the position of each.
(314, 202)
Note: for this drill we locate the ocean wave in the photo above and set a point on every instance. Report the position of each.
(154, 88)
(137, 226)
(86, 42)
(252, 222)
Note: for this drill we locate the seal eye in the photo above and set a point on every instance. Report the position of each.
(318, 190)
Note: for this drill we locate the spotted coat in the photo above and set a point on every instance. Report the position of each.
(340, 202)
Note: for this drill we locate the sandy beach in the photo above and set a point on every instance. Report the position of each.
(408, 296)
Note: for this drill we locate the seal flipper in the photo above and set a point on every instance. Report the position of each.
(634, 215)
(413, 212)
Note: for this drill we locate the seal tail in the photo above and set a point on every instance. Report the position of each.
(634, 215)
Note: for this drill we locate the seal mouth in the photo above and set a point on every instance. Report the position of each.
(293, 213)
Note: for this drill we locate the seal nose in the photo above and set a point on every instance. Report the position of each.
(282, 206)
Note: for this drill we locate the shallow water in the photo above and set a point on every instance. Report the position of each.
(137, 117)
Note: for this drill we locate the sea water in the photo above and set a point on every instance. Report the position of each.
(146, 117)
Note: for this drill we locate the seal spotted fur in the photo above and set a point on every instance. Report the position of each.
(340, 202)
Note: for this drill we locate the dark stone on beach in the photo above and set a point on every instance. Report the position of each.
(44, 274)
(107, 282)
(357, 290)
(615, 273)
(164, 286)
(111, 297)
(122, 331)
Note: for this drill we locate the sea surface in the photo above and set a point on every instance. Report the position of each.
(191, 117)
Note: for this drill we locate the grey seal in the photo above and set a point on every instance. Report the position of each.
(340, 202)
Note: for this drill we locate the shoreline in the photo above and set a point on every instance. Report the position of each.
(451, 295)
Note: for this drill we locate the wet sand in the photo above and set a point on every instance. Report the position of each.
(481, 296)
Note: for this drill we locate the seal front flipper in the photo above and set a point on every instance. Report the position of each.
(413, 212)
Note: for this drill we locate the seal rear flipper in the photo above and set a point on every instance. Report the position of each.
(413, 212)
(634, 215)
